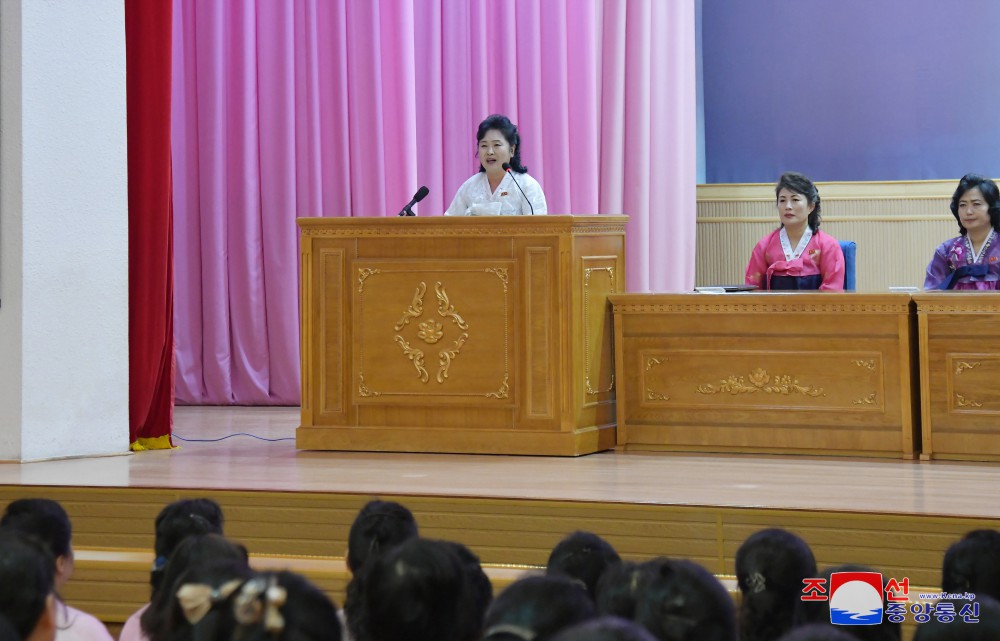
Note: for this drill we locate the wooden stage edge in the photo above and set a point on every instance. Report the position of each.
(294, 508)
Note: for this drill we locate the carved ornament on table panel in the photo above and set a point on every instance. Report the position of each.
(363, 274)
(871, 399)
(962, 366)
(431, 331)
(866, 364)
(760, 381)
(962, 401)
(651, 394)
(587, 273)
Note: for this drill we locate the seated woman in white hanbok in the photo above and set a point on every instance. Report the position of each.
(503, 186)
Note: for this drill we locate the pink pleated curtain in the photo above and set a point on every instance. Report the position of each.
(289, 108)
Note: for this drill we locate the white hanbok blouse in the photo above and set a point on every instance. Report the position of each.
(474, 197)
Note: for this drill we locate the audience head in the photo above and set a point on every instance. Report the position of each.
(536, 608)
(988, 206)
(770, 567)
(792, 186)
(606, 629)
(422, 590)
(818, 612)
(379, 526)
(972, 564)
(682, 601)
(7, 631)
(819, 632)
(280, 606)
(48, 522)
(27, 585)
(987, 628)
(583, 556)
(176, 522)
(508, 130)
(619, 589)
(160, 620)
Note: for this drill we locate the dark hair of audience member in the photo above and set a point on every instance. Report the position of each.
(7, 631)
(159, 619)
(420, 591)
(682, 601)
(379, 527)
(26, 585)
(801, 184)
(606, 629)
(43, 519)
(818, 612)
(272, 606)
(990, 192)
(583, 556)
(478, 584)
(537, 608)
(972, 564)
(618, 589)
(819, 632)
(176, 522)
(987, 628)
(770, 567)
(211, 582)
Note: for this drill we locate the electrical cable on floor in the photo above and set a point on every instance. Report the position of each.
(216, 440)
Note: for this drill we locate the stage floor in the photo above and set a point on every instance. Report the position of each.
(935, 488)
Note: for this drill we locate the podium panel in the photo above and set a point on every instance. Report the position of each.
(959, 370)
(805, 373)
(476, 335)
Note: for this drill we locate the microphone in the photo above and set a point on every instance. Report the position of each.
(506, 167)
(417, 197)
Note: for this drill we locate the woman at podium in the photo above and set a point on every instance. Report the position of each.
(797, 255)
(503, 186)
(971, 260)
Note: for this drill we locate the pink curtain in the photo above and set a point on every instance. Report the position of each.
(342, 108)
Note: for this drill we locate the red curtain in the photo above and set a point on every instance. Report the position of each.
(150, 215)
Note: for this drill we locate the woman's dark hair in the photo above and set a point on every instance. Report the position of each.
(619, 588)
(299, 611)
(43, 519)
(157, 621)
(770, 567)
(583, 556)
(378, 528)
(987, 628)
(972, 564)
(606, 629)
(214, 574)
(682, 601)
(7, 631)
(800, 184)
(539, 607)
(176, 522)
(509, 130)
(420, 591)
(818, 612)
(27, 578)
(990, 193)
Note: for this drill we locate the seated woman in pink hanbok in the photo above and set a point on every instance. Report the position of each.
(797, 255)
(972, 260)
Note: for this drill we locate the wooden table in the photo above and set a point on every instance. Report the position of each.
(959, 374)
(804, 373)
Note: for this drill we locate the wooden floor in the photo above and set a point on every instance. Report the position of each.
(774, 482)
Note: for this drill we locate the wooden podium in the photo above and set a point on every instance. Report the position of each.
(478, 335)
